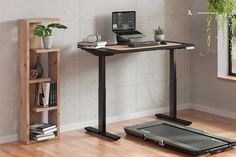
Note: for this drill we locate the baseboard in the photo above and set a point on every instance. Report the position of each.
(129, 116)
(215, 111)
(6, 139)
(113, 119)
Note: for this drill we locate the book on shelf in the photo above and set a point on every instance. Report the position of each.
(87, 43)
(48, 137)
(53, 95)
(42, 126)
(43, 132)
(47, 94)
(41, 135)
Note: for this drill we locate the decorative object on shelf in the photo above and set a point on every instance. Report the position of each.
(46, 33)
(44, 91)
(38, 67)
(92, 42)
(222, 9)
(47, 41)
(159, 34)
(33, 74)
(94, 38)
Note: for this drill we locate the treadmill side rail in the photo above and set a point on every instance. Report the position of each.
(219, 149)
(156, 139)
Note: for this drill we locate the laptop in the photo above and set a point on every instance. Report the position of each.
(124, 24)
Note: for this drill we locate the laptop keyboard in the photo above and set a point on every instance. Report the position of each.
(146, 43)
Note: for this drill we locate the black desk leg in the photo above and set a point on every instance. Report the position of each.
(173, 95)
(102, 103)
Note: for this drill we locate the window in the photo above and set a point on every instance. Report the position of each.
(232, 46)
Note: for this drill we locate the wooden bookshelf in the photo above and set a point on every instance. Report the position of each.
(29, 50)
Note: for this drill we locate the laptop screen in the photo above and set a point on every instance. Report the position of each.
(122, 21)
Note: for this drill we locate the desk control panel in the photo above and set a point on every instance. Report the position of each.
(146, 43)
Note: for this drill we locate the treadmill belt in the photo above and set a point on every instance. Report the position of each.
(192, 139)
(173, 136)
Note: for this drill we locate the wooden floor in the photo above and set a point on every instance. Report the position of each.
(80, 144)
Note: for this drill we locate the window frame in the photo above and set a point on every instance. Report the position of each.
(230, 36)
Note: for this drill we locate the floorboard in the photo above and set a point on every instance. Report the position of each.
(80, 144)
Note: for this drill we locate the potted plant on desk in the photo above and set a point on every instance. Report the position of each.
(46, 33)
(159, 34)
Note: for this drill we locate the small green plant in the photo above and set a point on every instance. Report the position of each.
(222, 9)
(41, 30)
(159, 31)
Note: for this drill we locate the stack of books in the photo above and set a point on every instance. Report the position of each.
(91, 45)
(42, 131)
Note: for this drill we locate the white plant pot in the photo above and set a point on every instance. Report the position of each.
(159, 37)
(47, 42)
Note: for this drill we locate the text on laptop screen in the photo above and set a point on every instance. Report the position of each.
(123, 21)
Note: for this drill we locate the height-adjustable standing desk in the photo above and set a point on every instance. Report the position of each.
(112, 50)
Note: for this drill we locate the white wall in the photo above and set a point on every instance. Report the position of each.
(207, 90)
(135, 82)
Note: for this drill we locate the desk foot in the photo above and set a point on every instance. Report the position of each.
(174, 120)
(105, 134)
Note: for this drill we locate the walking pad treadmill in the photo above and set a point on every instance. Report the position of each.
(181, 138)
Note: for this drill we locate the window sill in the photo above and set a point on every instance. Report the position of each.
(227, 78)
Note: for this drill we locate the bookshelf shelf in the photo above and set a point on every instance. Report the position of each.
(40, 80)
(41, 50)
(43, 109)
(30, 51)
(40, 20)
